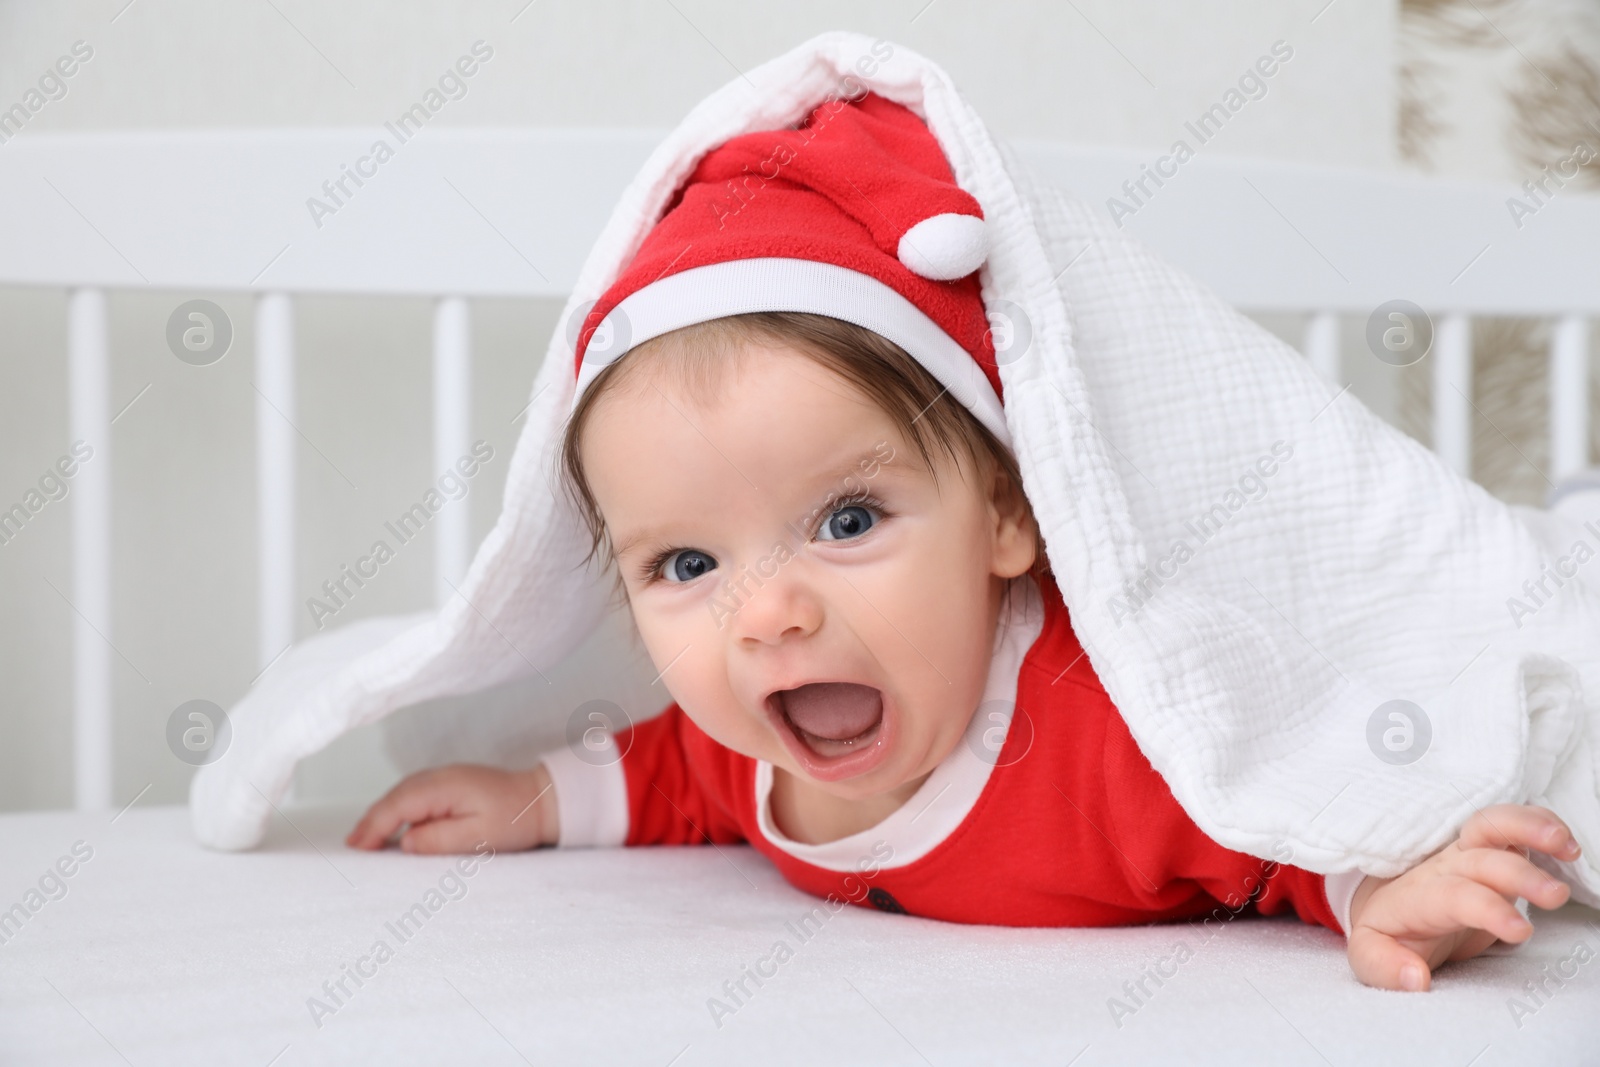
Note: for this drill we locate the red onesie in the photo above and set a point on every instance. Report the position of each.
(1048, 815)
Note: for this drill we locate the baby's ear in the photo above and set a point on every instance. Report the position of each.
(1016, 533)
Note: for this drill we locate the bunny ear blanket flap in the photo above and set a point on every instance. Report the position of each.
(1310, 625)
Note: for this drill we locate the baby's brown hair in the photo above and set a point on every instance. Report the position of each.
(875, 366)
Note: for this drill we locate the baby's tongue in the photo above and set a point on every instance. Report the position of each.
(832, 711)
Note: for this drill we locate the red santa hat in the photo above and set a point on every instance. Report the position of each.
(854, 213)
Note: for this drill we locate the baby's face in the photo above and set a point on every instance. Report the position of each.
(812, 596)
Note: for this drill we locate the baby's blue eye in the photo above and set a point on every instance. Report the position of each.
(852, 520)
(687, 565)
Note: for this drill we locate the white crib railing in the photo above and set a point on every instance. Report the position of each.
(457, 215)
(1276, 237)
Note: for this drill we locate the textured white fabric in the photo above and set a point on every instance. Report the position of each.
(162, 953)
(942, 801)
(1360, 571)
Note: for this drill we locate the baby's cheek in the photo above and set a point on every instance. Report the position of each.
(696, 679)
(927, 617)
(943, 600)
(956, 632)
(714, 710)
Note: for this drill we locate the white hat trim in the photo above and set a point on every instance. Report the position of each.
(775, 283)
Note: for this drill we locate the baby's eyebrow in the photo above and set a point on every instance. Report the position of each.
(853, 477)
(867, 458)
(623, 547)
(872, 459)
(880, 455)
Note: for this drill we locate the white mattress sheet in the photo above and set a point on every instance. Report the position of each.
(161, 952)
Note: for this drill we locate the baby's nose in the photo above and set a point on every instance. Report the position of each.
(773, 612)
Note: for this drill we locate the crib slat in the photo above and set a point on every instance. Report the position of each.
(452, 431)
(1452, 390)
(1569, 396)
(89, 386)
(275, 472)
(1322, 345)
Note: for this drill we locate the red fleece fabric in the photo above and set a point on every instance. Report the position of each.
(842, 188)
(1074, 827)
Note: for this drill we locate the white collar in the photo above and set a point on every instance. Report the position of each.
(944, 799)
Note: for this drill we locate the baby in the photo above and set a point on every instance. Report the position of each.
(825, 545)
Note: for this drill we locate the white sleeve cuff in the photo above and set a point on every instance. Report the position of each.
(591, 798)
(1341, 890)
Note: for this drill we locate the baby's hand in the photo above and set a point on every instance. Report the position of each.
(1457, 902)
(456, 808)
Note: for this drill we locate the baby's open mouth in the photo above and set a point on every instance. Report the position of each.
(832, 719)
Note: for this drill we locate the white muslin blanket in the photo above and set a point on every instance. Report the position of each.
(1319, 635)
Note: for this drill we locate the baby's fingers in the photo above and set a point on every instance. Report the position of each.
(1467, 905)
(1511, 875)
(416, 799)
(1520, 826)
(442, 835)
(1379, 960)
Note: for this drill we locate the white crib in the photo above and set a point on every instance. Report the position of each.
(458, 215)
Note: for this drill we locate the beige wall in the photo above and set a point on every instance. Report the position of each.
(1125, 72)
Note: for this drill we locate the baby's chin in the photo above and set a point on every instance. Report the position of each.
(897, 782)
